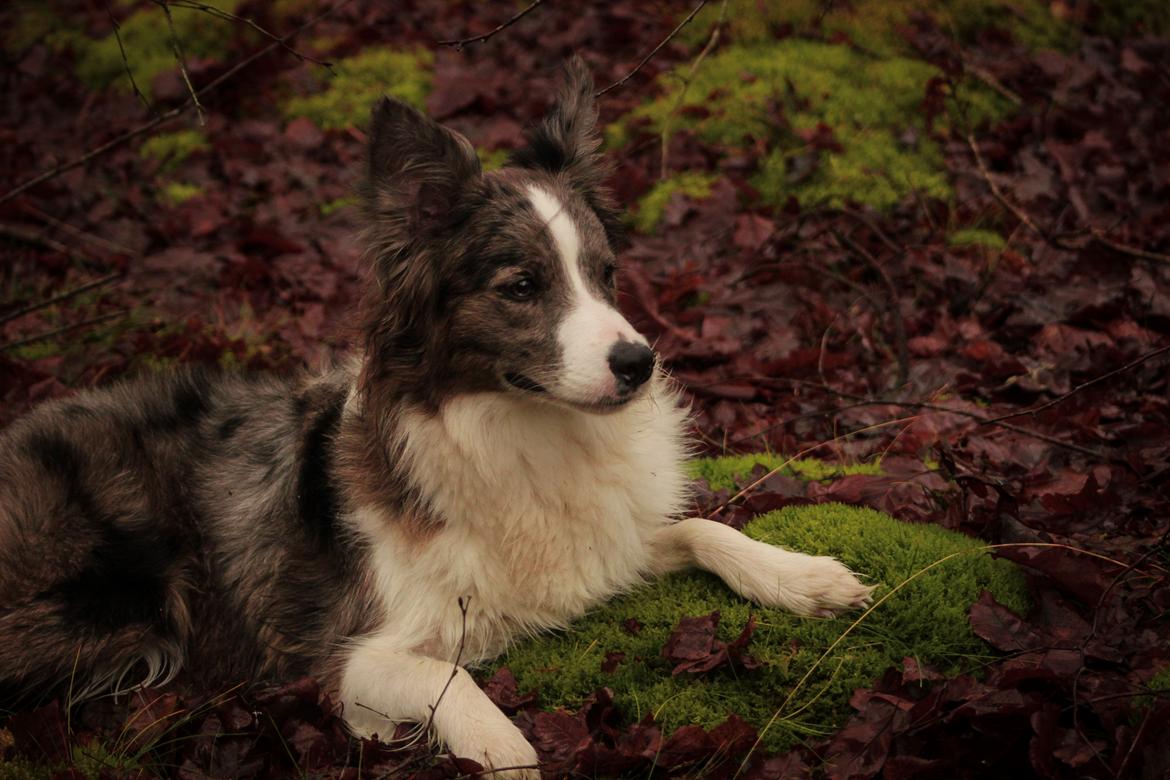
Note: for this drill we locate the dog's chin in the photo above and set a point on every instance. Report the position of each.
(530, 388)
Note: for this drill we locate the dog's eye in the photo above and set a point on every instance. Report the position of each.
(521, 289)
(609, 273)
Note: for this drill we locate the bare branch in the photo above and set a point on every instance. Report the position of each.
(686, 84)
(52, 333)
(891, 298)
(181, 60)
(1055, 241)
(463, 604)
(161, 119)
(219, 13)
(458, 44)
(655, 50)
(125, 61)
(61, 297)
(37, 238)
(1081, 387)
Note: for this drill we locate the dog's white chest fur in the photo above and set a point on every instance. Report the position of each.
(545, 512)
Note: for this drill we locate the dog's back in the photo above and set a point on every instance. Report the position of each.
(182, 519)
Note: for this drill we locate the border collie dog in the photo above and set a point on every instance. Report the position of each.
(504, 440)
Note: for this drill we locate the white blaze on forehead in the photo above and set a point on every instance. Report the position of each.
(591, 326)
(564, 233)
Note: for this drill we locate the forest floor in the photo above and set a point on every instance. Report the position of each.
(930, 250)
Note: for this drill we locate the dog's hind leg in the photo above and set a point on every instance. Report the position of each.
(768, 575)
(382, 686)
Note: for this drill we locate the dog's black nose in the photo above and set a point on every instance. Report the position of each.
(631, 364)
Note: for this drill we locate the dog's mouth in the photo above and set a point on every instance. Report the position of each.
(521, 382)
(527, 384)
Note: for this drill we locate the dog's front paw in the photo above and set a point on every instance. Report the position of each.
(503, 753)
(804, 584)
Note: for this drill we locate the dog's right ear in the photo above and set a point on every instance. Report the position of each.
(415, 172)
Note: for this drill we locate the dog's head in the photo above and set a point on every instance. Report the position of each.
(500, 281)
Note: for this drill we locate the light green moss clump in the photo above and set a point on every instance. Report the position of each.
(733, 471)
(172, 148)
(360, 81)
(491, 159)
(146, 38)
(925, 620)
(692, 184)
(872, 106)
(977, 237)
(875, 25)
(176, 192)
(330, 207)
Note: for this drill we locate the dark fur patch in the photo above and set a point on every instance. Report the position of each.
(317, 498)
(189, 403)
(57, 456)
(228, 427)
(123, 584)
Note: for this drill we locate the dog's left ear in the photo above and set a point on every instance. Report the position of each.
(566, 142)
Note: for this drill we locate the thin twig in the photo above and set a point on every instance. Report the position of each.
(892, 298)
(161, 119)
(181, 61)
(37, 238)
(1126, 249)
(984, 75)
(1083, 386)
(53, 333)
(61, 297)
(228, 16)
(1019, 213)
(1052, 240)
(458, 43)
(463, 603)
(104, 243)
(686, 85)
(655, 50)
(138, 93)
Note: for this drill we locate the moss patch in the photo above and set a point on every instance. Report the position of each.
(146, 37)
(875, 25)
(360, 81)
(491, 159)
(788, 93)
(692, 184)
(926, 620)
(176, 192)
(732, 471)
(977, 237)
(172, 148)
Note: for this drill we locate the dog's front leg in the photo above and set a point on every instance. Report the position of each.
(768, 575)
(382, 686)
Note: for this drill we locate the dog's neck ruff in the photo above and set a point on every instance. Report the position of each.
(545, 512)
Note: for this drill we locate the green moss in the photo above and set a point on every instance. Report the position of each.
(977, 237)
(492, 159)
(926, 620)
(146, 38)
(875, 25)
(692, 184)
(733, 471)
(172, 148)
(176, 192)
(872, 106)
(332, 206)
(360, 81)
